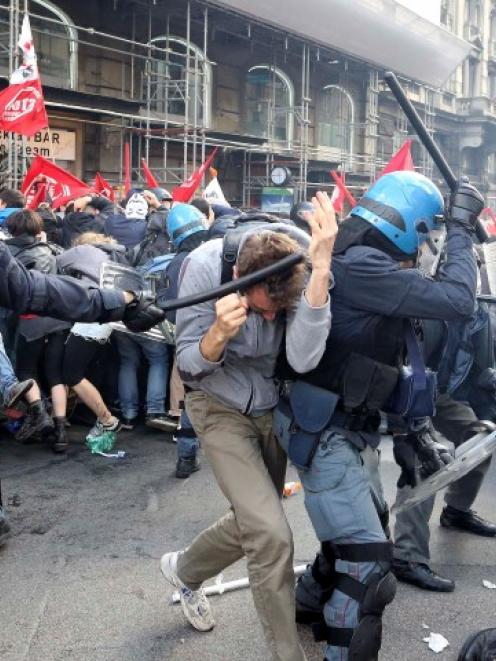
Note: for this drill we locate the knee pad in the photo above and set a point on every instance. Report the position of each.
(379, 590)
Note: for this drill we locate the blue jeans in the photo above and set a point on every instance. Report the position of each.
(7, 376)
(187, 442)
(157, 356)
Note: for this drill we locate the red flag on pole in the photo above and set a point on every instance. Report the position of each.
(22, 107)
(150, 179)
(489, 218)
(38, 198)
(62, 185)
(402, 160)
(186, 190)
(127, 168)
(341, 193)
(103, 187)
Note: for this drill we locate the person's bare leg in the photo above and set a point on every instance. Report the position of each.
(90, 396)
(33, 394)
(59, 401)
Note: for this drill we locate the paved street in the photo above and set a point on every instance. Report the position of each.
(80, 581)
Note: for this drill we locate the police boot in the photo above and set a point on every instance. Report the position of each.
(37, 422)
(60, 441)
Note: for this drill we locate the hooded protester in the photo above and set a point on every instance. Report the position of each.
(84, 218)
(129, 228)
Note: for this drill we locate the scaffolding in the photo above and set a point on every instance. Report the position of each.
(167, 82)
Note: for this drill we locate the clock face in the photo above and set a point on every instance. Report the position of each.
(279, 176)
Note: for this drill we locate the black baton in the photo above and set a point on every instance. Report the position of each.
(428, 142)
(240, 284)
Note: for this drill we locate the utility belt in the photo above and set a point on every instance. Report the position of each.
(305, 411)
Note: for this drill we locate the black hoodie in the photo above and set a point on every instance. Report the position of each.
(77, 223)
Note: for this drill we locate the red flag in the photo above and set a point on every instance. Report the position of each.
(150, 179)
(22, 108)
(402, 160)
(62, 185)
(103, 187)
(186, 190)
(489, 219)
(341, 193)
(38, 198)
(127, 168)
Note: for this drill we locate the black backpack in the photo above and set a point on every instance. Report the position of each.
(155, 243)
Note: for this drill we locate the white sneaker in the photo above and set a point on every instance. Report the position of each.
(194, 602)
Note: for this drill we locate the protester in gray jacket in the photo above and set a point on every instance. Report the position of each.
(226, 354)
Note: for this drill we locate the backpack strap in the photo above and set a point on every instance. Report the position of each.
(230, 249)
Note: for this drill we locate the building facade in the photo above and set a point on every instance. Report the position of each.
(175, 78)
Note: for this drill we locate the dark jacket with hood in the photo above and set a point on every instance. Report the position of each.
(126, 231)
(85, 262)
(77, 223)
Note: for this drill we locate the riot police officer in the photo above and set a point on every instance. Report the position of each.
(327, 416)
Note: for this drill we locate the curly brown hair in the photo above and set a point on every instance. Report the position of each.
(264, 249)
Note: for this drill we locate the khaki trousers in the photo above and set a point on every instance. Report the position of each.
(176, 391)
(250, 467)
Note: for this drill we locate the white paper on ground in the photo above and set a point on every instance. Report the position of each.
(488, 585)
(437, 642)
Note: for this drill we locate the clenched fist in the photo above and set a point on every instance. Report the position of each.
(231, 312)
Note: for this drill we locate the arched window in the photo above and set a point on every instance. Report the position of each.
(55, 41)
(180, 80)
(269, 100)
(336, 119)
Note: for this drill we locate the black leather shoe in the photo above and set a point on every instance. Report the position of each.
(468, 521)
(421, 575)
(186, 467)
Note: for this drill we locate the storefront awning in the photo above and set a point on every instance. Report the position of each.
(382, 32)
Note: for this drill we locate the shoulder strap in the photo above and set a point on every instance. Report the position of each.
(414, 356)
(230, 249)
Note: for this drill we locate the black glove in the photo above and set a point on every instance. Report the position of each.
(432, 455)
(405, 457)
(142, 313)
(466, 203)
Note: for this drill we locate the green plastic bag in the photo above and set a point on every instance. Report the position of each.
(101, 443)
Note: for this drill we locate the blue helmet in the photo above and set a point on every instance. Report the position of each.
(183, 220)
(403, 206)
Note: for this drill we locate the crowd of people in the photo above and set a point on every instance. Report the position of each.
(304, 364)
(49, 362)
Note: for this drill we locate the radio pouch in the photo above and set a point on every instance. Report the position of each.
(416, 390)
(312, 408)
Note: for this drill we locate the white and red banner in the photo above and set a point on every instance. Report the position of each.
(187, 189)
(213, 193)
(62, 185)
(22, 107)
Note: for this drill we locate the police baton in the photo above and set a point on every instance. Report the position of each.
(238, 285)
(428, 142)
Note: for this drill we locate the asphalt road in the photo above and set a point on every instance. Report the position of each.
(79, 579)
